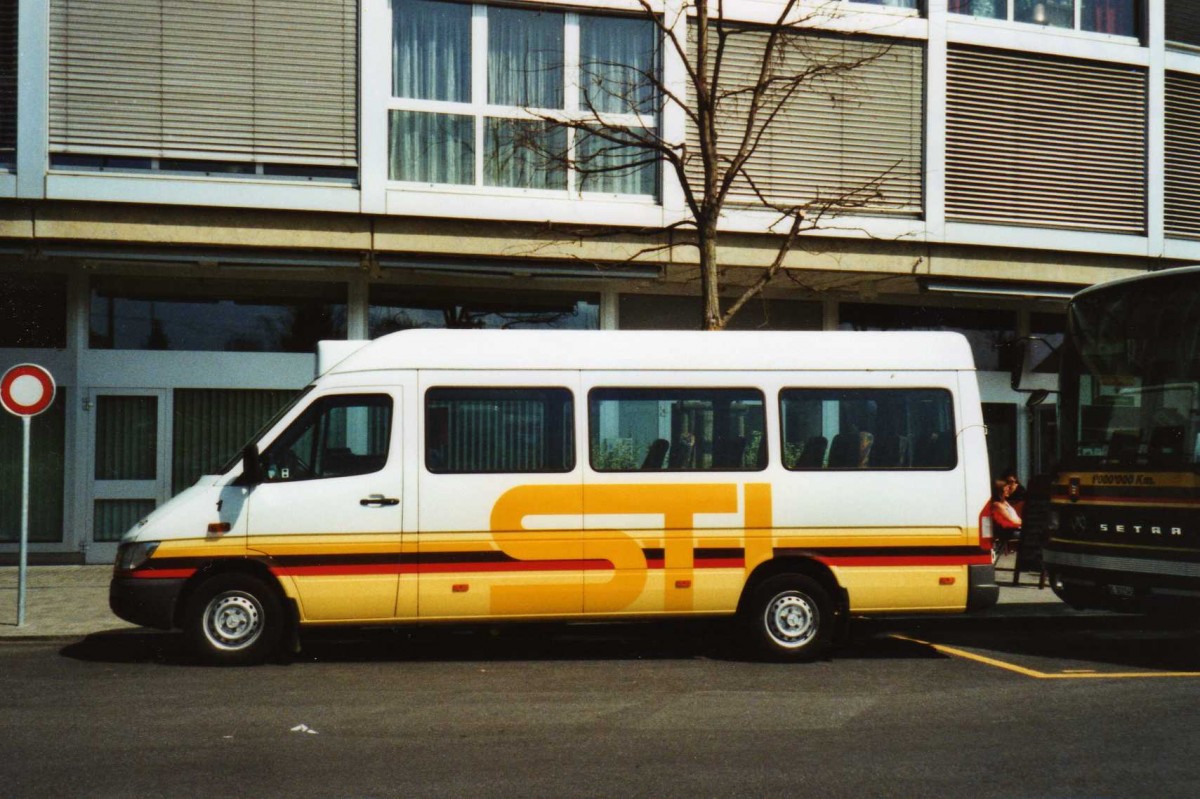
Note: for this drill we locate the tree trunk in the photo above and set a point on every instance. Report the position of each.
(710, 284)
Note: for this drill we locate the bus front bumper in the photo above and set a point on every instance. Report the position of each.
(149, 603)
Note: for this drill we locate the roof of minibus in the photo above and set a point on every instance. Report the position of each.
(655, 350)
(1155, 275)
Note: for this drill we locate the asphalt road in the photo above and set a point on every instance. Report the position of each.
(1065, 707)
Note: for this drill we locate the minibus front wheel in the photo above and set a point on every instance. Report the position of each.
(790, 617)
(234, 619)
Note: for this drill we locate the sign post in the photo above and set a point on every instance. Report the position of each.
(25, 391)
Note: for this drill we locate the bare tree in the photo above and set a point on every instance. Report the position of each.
(731, 110)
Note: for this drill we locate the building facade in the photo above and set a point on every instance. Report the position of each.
(193, 194)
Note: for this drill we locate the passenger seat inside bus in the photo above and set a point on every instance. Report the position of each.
(655, 454)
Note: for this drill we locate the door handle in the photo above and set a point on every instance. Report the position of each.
(379, 500)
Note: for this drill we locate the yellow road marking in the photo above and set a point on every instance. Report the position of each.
(1069, 674)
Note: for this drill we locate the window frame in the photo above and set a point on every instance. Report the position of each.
(569, 426)
(762, 464)
(480, 110)
(824, 469)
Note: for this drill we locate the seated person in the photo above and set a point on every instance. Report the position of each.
(1006, 522)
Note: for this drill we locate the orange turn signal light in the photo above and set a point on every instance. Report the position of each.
(215, 528)
(460, 588)
(946, 581)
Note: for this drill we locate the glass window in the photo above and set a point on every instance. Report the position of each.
(1047, 332)
(223, 316)
(1119, 17)
(1055, 13)
(1183, 22)
(336, 436)
(667, 312)
(489, 430)
(993, 9)
(986, 330)
(34, 311)
(856, 428)
(432, 148)
(609, 163)
(47, 473)
(618, 63)
(676, 429)
(525, 57)
(526, 72)
(525, 153)
(431, 50)
(211, 425)
(401, 308)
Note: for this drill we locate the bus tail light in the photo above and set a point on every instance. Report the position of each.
(985, 528)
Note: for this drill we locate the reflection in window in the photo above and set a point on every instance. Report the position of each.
(337, 436)
(1119, 17)
(676, 429)
(47, 472)
(667, 312)
(489, 430)
(222, 316)
(398, 308)
(985, 330)
(33, 310)
(867, 428)
(525, 153)
(1047, 332)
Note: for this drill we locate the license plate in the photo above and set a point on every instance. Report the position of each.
(1121, 590)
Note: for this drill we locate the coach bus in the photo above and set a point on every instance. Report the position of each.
(786, 480)
(1124, 529)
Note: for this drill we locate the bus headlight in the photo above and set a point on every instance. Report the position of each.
(133, 555)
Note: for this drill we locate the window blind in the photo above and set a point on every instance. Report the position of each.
(1033, 140)
(8, 80)
(1182, 211)
(249, 80)
(856, 123)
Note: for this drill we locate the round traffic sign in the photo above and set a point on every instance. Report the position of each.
(26, 390)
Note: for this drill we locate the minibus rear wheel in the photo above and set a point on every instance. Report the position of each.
(790, 617)
(234, 619)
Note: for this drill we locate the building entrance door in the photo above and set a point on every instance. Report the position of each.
(130, 469)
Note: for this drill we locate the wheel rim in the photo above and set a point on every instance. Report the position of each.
(233, 620)
(792, 620)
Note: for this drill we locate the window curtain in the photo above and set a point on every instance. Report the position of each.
(1109, 16)
(431, 50)
(432, 148)
(525, 58)
(47, 473)
(615, 56)
(1055, 13)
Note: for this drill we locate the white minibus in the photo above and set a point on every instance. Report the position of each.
(785, 480)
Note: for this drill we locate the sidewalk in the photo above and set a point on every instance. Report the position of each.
(72, 601)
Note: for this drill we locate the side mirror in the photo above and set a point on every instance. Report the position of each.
(251, 466)
(1036, 397)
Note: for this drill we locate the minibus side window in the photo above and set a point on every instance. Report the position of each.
(676, 429)
(336, 436)
(854, 428)
(499, 430)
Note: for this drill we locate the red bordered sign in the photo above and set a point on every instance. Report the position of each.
(26, 390)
